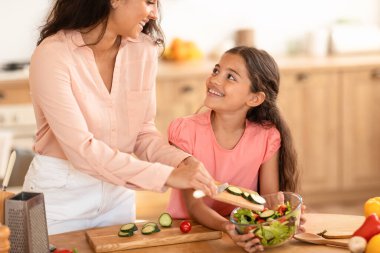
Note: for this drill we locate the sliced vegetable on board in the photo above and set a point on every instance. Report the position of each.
(165, 220)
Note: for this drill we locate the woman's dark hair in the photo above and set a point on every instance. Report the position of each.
(265, 77)
(81, 14)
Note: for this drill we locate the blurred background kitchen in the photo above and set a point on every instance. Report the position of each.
(329, 57)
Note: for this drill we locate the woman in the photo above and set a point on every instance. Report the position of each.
(92, 81)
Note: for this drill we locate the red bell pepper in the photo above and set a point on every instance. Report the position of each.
(369, 228)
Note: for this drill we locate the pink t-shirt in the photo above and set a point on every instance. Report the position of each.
(238, 166)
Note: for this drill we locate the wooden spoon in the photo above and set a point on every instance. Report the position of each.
(316, 239)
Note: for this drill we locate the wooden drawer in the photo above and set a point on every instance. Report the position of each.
(14, 92)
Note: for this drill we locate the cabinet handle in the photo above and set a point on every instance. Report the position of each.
(375, 74)
(186, 89)
(301, 77)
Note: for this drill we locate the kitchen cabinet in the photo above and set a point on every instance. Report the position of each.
(16, 110)
(180, 91)
(14, 92)
(308, 102)
(360, 128)
(177, 98)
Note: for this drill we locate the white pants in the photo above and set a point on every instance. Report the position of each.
(75, 200)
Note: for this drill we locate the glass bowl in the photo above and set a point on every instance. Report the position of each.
(276, 224)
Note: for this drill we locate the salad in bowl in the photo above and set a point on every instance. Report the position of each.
(274, 225)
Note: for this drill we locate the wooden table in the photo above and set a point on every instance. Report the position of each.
(315, 223)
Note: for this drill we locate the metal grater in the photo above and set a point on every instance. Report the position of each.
(26, 218)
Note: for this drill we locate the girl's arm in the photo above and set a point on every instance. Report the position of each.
(206, 216)
(203, 214)
(269, 176)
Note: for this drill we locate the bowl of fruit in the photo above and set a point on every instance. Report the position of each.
(275, 224)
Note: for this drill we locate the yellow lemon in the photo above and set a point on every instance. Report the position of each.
(373, 245)
(371, 206)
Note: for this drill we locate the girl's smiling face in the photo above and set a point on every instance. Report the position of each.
(228, 86)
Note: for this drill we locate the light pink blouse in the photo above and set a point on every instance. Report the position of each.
(238, 166)
(97, 131)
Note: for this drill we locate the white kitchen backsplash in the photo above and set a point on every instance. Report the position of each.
(279, 25)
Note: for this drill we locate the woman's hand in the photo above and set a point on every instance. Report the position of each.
(191, 174)
(248, 242)
(301, 228)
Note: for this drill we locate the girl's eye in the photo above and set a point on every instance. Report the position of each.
(231, 77)
(151, 2)
(215, 71)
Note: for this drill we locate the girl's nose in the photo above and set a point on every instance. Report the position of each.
(215, 80)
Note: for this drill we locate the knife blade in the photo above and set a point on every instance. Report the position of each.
(8, 172)
(200, 194)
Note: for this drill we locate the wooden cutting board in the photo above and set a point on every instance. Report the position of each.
(106, 239)
(238, 200)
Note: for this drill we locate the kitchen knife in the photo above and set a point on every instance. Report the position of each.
(8, 172)
(200, 194)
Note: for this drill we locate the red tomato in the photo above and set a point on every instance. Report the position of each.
(62, 251)
(185, 226)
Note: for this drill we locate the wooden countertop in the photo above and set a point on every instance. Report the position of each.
(286, 64)
(315, 223)
(204, 67)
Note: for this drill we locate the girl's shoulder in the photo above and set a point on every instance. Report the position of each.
(191, 122)
(267, 129)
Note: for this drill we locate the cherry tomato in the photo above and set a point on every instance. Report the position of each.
(62, 251)
(185, 226)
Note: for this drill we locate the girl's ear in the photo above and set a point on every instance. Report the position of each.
(256, 99)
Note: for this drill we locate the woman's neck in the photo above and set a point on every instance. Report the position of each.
(109, 39)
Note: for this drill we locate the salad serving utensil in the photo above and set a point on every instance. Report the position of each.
(316, 239)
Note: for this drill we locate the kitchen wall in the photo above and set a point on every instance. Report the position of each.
(280, 26)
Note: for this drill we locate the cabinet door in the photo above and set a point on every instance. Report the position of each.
(177, 98)
(14, 92)
(361, 131)
(309, 103)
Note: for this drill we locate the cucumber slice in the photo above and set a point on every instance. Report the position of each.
(165, 220)
(256, 198)
(149, 229)
(234, 190)
(125, 234)
(128, 227)
(266, 214)
(245, 195)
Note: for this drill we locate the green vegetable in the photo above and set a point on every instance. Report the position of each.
(165, 220)
(273, 227)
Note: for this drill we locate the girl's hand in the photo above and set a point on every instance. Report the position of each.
(191, 174)
(248, 242)
(301, 228)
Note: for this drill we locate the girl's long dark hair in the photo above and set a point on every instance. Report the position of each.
(87, 14)
(265, 77)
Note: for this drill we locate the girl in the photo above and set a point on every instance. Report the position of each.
(242, 140)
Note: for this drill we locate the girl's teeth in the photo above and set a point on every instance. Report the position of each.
(215, 93)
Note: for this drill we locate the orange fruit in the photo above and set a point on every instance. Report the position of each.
(371, 206)
(373, 245)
